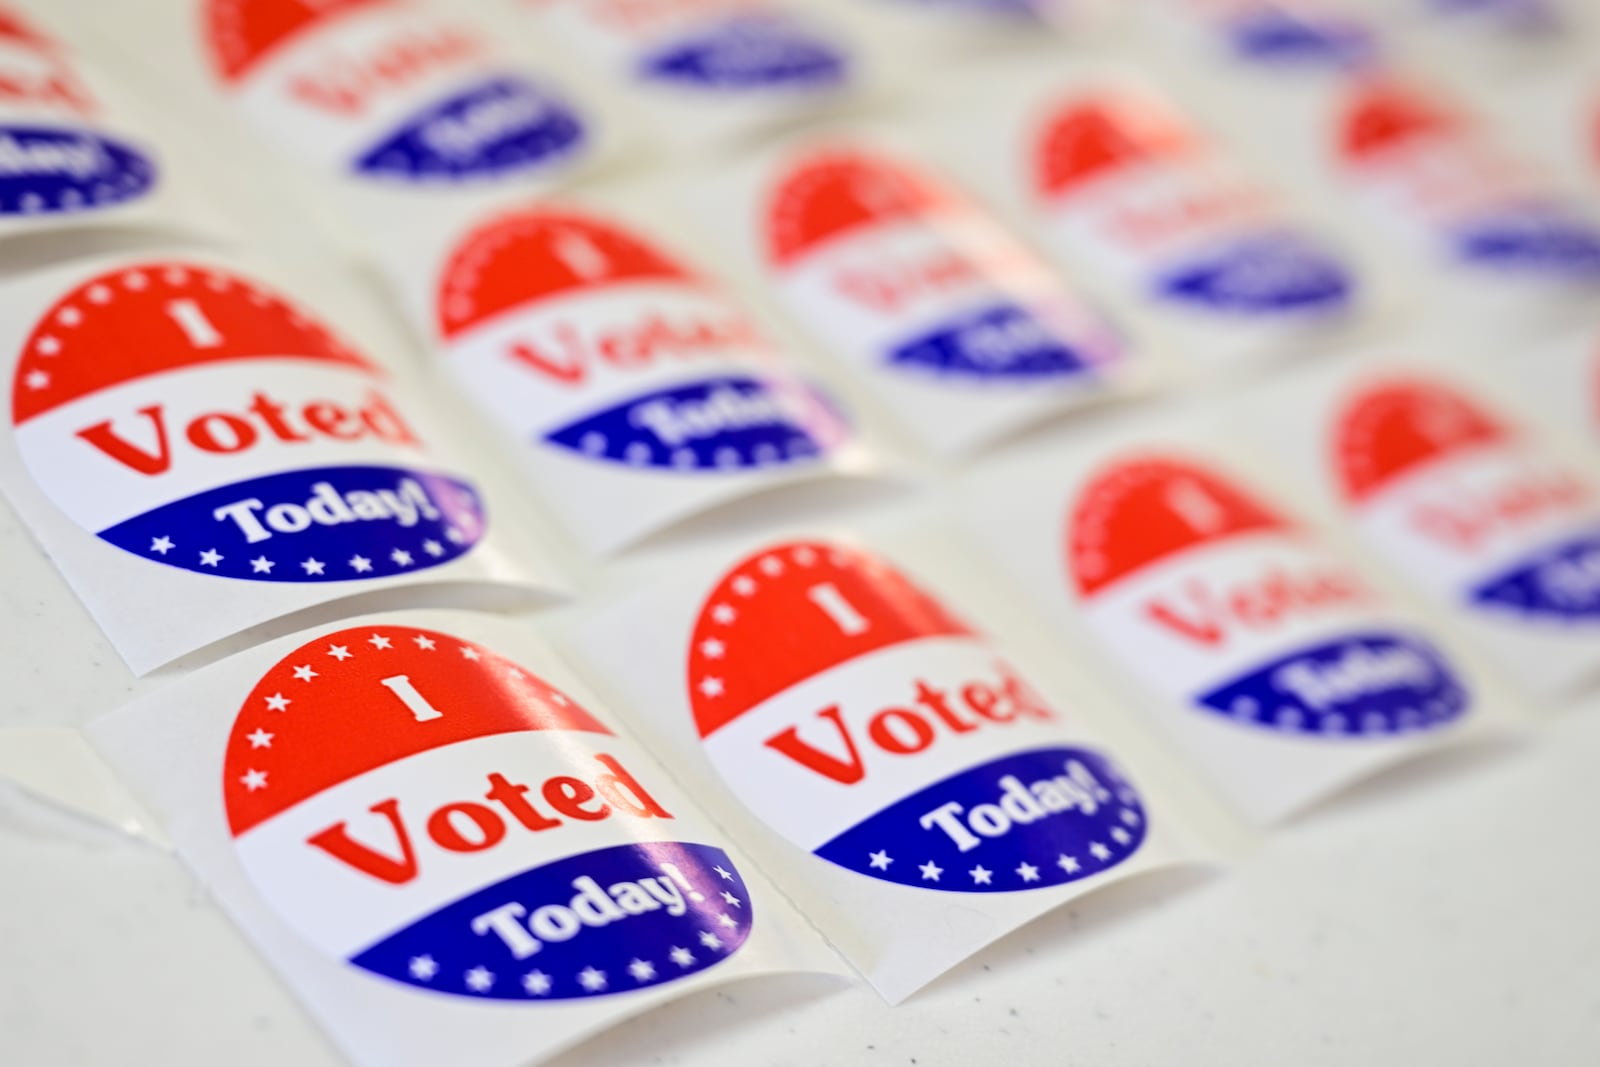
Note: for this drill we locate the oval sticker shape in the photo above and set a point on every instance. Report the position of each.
(862, 721)
(746, 53)
(435, 814)
(49, 170)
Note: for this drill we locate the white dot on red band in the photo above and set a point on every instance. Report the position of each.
(69, 316)
(99, 294)
(134, 280)
(175, 276)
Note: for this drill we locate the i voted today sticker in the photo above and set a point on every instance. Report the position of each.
(1127, 187)
(389, 90)
(1230, 609)
(916, 286)
(1300, 34)
(435, 814)
(57, 158)
(197, 420)
(1434, 174)
(637, 386)
(1467, 506)
(864, 723)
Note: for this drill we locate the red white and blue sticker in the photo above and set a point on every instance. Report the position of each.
(55, 157)
(583, 338)
(1221, 604)
(197, 420)
(388, 89)
(435, 814)
(867, 725)
(1432, 172)
(1467, 505)
(1128, 188)
(745, 50)
(1292, 35)
(901, 273)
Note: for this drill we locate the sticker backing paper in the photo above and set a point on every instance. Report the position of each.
(885, 762)
(198, 453)
(447, 855)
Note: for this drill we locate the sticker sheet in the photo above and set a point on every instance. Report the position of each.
(636, 390)
(1133, 197)
(901, 779)
(705, 70)
(198, 453)
(1472, 507)
(447, 851)
(1273, 660)
(70, 154)
(961, 331)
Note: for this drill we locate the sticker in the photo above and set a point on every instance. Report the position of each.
(886, 737)
(1127, 188)
(705, 69)
(1434, 175)
(55, 158)
(200, 454)
(416, 828)
(965, 332)
(1298, 35)
(1467, 507)
(1519, 17)
(388, 90)
(634, 380)
(196, 420)
(429, 841)
(1228, 608)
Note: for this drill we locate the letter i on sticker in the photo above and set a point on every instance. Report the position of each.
(1494, 521)
(867, 725)
(51, 162)
(194, 419)
(433, 813)
(1221, 602)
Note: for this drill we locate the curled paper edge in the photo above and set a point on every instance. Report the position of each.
(57, 765)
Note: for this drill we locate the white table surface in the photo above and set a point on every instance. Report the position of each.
(1443, 914)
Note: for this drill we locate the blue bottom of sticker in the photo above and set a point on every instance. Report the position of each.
(1545, 241)
(1032, 820)
(1562, 583)
(1273, 36)
(1001, 342)
(1361, 685)
(327, 524)
(753, 52)
(494, 127)
(46, 171)
(604, 922)
(1268, 274)
(717, 424)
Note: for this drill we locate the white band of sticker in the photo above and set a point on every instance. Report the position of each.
(199, 454)
(882, 758)
(414, 822)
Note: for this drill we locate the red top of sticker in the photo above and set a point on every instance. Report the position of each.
(1087, 140)
(15, 29)
(361, 698)
(242, 32)
(1385, 116)
(517, 259)
(149, 318)
(1395, 427)
(837, 191)
(1141, 511)
(791, 612)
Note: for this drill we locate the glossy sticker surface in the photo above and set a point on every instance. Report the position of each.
(1468, 507)
(1227, 607)
(866, 724)
(387, 89)
(1128, 187)
(56, 159)
(437, 815)
(198, 420)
